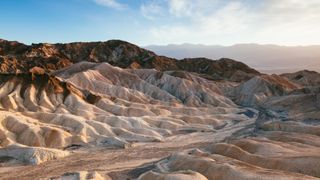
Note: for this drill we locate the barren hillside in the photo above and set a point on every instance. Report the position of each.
(112, 110)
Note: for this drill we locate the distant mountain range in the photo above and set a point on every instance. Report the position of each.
(265, 58)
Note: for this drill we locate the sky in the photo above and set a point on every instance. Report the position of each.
(161, 22)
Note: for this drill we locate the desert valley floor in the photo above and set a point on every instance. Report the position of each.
(112, 110)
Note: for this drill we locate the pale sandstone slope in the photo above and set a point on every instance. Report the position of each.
(100, 105)
(283, 143)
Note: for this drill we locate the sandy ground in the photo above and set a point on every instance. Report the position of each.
(118, 163)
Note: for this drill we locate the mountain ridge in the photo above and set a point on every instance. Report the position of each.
(267, 58)
(18, 57)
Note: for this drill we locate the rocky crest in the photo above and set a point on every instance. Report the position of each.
(305, 77)
(16, 57)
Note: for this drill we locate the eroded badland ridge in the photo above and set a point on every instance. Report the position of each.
(113, 110)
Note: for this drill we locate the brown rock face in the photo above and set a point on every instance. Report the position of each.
(305, 77)
(16, 57)
(50, 84)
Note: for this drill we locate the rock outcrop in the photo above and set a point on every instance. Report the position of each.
(304, 78)
(16, 57)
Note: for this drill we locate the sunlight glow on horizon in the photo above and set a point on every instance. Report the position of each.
(162, 22)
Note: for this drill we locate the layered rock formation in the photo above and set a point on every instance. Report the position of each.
(102, 105)
(76, 103)
(282, 144)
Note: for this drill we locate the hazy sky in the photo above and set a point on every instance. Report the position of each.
(145, 22)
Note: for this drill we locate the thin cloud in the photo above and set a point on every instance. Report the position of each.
(180, 8)
(208, 21)
(152, 9)
(111, 4)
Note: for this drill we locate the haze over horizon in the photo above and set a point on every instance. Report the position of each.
(265, 58)
(162, 22)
